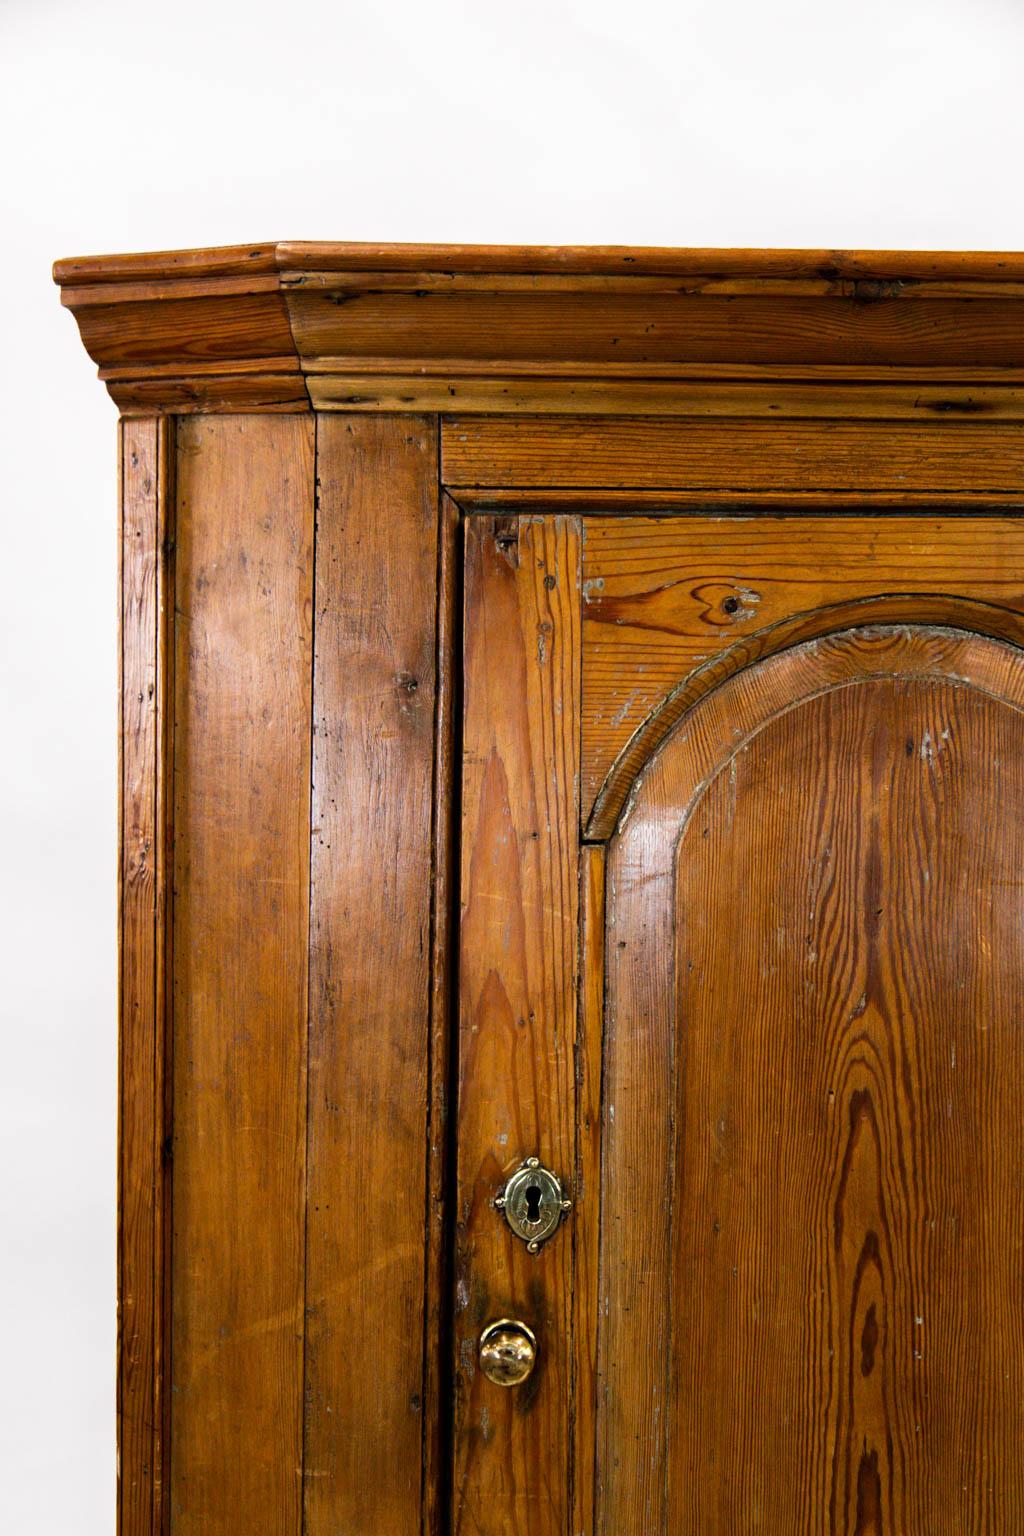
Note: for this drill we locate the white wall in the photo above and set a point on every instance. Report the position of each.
(134, 127)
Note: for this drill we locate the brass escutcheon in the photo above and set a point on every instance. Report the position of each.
(533, 1202)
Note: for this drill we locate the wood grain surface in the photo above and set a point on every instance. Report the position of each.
(370, 976)
(437, 1397)
(147, 488)
(241, 871)
(201, 393)
(957, 458)
(355, 256)
(444, 387)
(587, 1207)
(812, 1231)
(667, 600)
(584, 325)
(199, 329)
(518, 998)
(705, 284)
(354, 316)
(296, 257)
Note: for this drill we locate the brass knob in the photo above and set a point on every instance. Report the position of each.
(508, 1352)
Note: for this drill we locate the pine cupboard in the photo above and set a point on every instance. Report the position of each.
(572, 924)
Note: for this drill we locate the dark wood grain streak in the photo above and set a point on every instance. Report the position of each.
(707, 285)
(733, 455)
(370, 974)
(243, 671)
(682, 500)
(146, 477)
(167, 443)
(517, 1022)
(825, 1152)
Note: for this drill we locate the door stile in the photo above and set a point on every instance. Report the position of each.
(437, 1393)
(587, 1206)
(519, 956)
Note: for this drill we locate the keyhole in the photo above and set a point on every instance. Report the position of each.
(533, 1203)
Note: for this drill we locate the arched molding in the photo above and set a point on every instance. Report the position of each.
(969, 615)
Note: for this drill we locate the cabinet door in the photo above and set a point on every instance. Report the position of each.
(789, 1296)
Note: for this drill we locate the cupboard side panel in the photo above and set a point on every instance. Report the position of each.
(241, 870)
(146, 490)
(370, 974)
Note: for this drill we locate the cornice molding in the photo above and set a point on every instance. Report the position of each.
(295, 326)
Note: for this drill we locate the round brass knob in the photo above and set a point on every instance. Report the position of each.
(508, 1352)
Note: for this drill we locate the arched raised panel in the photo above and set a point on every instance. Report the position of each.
(815, 624)
(674, 606)
(813, 1146)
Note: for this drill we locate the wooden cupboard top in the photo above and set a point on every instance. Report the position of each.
(595, 260)
(598, 330)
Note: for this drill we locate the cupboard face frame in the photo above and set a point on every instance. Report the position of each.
(545, 384)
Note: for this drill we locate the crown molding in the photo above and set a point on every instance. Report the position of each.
(295, 326)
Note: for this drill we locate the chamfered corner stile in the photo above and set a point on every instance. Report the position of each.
(146, 601)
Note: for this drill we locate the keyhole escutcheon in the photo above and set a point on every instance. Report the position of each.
(533, 1202)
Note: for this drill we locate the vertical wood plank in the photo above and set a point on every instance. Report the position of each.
(437, 1394)
(370, 974)
(163, 1119)
(242, 759)
(146, 488)
(518, 968)
(587, 1218)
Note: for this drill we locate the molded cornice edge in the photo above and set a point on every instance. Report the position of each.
(296, 326)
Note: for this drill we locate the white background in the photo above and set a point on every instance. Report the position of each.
(131, 127)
